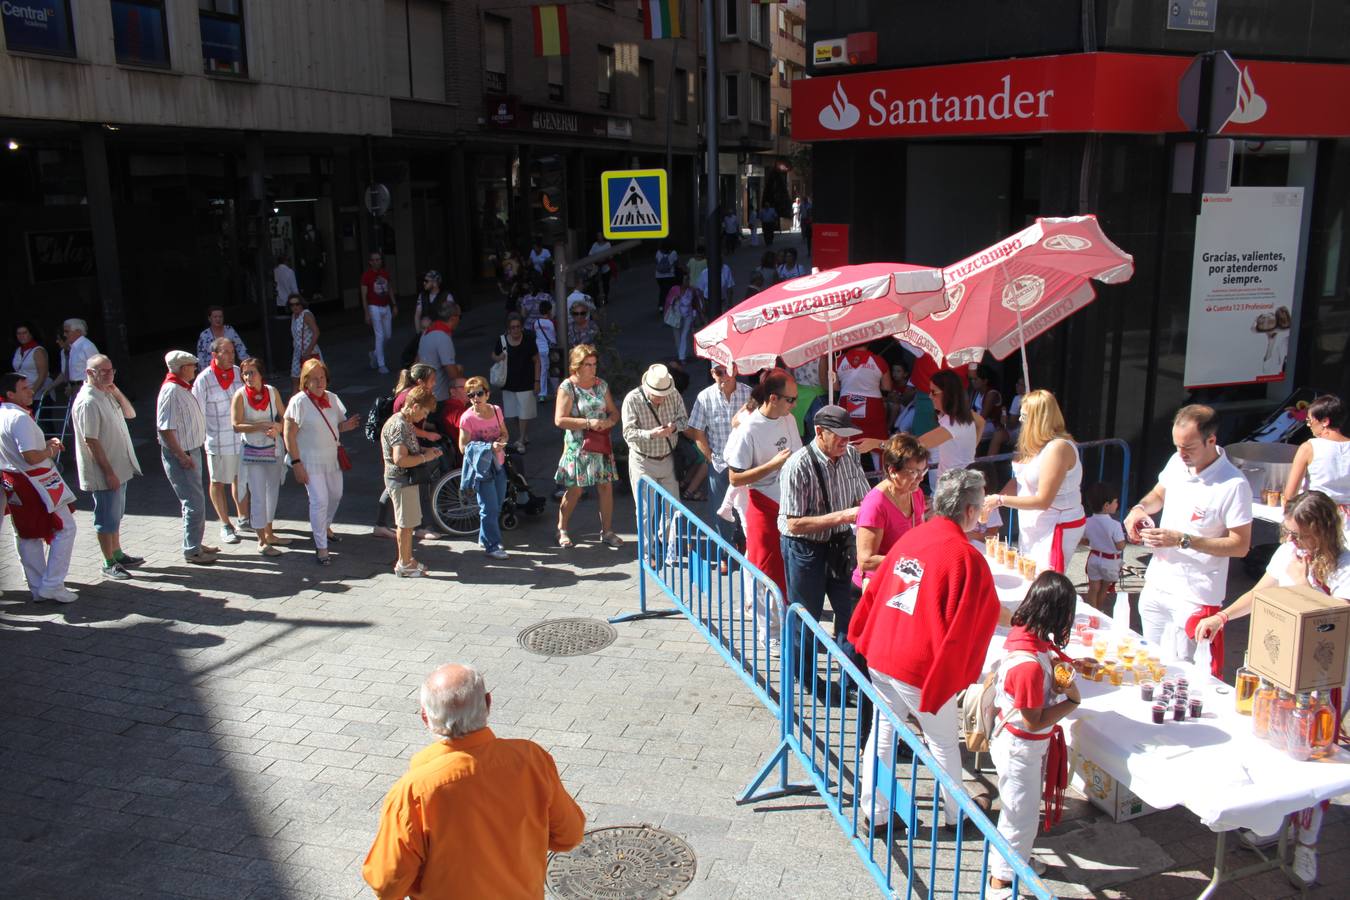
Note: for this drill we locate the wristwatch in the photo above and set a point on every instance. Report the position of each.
(1185, 542)
(294, 463)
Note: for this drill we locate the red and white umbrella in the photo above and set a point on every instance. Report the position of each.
(1003, 296)
(804, 318)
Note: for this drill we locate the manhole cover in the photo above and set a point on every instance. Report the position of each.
(625, 862)
(567, 637)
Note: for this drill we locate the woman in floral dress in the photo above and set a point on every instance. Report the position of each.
(584, 404)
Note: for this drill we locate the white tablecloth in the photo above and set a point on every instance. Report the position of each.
(1272, 514)
(1213, 766)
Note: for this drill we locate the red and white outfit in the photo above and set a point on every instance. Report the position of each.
(755, 441)
(1049, 536)
(924, 623)
(860, 373)
(1031, 763)
(1183, 586)
(41, 505)
(1105, 557)
(378, 300)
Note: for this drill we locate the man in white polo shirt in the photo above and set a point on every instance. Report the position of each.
(182, 432)
(214, 388)
(1206, 506)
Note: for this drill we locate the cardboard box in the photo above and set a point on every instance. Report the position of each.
(1104, 791)
(1299, 638)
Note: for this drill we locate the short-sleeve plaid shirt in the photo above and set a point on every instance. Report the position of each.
(712, 415)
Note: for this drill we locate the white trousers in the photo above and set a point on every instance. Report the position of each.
(382, 323)
(325, 493)
(940, 731)
(1164, 622)
(1021, 784)
(263, 483)
(46, 566)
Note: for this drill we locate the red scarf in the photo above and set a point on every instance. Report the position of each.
(438, 326)
(1057, 754)
(28, 346)
(224, 379)
(173, 377)
(320, 401)
(259, 399)
(1057, 542)
(1215, 642)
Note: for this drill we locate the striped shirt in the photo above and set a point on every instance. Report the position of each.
(800, 494)
(640, 416)
(178, 411)
(221, 438)
(712, 415)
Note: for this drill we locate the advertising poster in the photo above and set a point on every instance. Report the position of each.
(829, 245)
(1242, 286)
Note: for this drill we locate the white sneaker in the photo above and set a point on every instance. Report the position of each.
(242, 524)
(499, 553)
(228, 535)
(1305, 865)
(60, 595)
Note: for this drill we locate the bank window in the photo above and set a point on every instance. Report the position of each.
(140, 33)
(731, 18)
(557, 89)
(39, 28)
(759, 23)
(222, 27)
(604, 78)
(731, 95)
(646, 89)
(759, 99)
(494, 53)
(683, 91)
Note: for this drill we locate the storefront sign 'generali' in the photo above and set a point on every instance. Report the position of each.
(1083, 92)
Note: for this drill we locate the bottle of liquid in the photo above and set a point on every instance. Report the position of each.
(1324, 719)
(1263, 706)
(1281, 717)
(1120, 612)
(1247, 683)
(1300, 729)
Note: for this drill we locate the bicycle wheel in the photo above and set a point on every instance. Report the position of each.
(455, 509)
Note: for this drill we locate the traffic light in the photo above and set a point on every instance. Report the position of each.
(550, 198)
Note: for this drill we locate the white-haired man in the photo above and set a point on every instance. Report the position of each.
(475, 815)
(214, 388)
(78, 350)
(106, 458)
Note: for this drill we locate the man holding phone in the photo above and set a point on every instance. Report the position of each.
(1206, 518)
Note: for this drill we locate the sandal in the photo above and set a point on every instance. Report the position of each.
(564, 540)
(610, 539)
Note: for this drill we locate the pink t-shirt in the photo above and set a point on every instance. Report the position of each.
(877, 511)
(481, 429)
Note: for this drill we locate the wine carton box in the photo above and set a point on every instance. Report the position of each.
(1299, 638)
(1104, 791)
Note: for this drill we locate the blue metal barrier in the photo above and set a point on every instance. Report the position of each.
(734, 605)
(827, 737)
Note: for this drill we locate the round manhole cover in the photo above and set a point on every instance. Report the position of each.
(567, 637)
(625, 862)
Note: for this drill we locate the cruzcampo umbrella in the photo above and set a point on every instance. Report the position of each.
(1009, 293)
(804, 318)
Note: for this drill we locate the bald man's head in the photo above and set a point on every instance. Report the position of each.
(454, 701)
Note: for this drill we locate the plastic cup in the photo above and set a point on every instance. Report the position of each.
(1197, 707)
(1178, 711)
(1146, 691)
(1159, 713)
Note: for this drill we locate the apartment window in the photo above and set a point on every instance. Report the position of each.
(684, 90)
(785, 121)
(731, 18)
(780, 65)
(759, 23)
(782, 20)
(222, 28)
(557, 90)
(646, 89)
(140, 33)
(604, 78)
(45, 29)
(759, 99)
(731, 95)
(495, 42)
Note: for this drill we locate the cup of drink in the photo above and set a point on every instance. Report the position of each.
(991, 545)
(1178, 710)
(1159, 713)
(1196, 703)
(1169, 686)
(1146, 691)
(1112, 670)
(1087, 637)
(1183, 682)
(1099, 649)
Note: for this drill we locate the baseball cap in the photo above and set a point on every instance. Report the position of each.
(836, 419)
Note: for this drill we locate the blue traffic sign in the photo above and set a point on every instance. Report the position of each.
(634, 203)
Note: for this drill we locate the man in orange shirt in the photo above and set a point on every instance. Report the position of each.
(476, 815)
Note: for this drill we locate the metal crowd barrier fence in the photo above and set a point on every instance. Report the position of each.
(734, 605)
(828, 736)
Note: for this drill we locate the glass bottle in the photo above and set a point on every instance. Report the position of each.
(1299, 729)
(1280, 719)
(1324, 717)
(1263, 705)
(1247, 683)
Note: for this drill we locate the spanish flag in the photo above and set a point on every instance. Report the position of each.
(550, 30)
(661, 19)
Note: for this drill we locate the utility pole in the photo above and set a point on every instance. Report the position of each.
(712, 227)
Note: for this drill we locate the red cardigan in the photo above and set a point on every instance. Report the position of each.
(928, 612)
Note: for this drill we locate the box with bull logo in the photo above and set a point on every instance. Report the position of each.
(1299, 638)
(1104, 791)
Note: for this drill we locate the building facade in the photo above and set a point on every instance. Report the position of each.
(788, 158)
(976, 118)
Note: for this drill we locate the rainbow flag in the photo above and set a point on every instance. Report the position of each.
(550, 30)
(661, 19)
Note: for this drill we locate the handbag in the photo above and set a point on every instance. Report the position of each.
(596, 441)
(497, 374)
(672, 316)
(344, 461)
(261, 453)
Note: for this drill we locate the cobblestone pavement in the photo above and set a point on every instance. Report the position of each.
(229, 732)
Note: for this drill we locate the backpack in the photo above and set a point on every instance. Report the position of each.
(979, 712)
(381, 408)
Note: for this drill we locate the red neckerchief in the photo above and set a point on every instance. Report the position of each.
(28, 346)
(173, 377)
(438, 326)
(259, 399)
(857, 358)
(224, 379)
(320, 401)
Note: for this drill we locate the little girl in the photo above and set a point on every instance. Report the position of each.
(1106, 542)
(1028, 745)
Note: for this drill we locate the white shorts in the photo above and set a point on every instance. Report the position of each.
(519, 405)
(1099, 569)
(224, 467)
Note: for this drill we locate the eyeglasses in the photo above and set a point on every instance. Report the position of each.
(580, 313)
(910, 472)
(474, 395)
(1290, 535)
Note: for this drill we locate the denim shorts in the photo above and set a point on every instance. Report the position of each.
(109, 506)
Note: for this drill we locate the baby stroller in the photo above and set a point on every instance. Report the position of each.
(456, 509)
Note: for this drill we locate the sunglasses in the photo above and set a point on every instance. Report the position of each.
(476, 394)
(580, 313)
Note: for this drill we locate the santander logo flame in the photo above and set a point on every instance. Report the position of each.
(840, 114)
(1251, 106)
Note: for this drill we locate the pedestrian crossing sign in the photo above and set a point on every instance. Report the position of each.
(634, 203)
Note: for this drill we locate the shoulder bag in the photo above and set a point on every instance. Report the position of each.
(593, 440)
(841, 553)
(497, 374)
(344, 461)
(262, 453)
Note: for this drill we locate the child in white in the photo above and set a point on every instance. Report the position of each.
(1028, 744)
(1105, 538)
